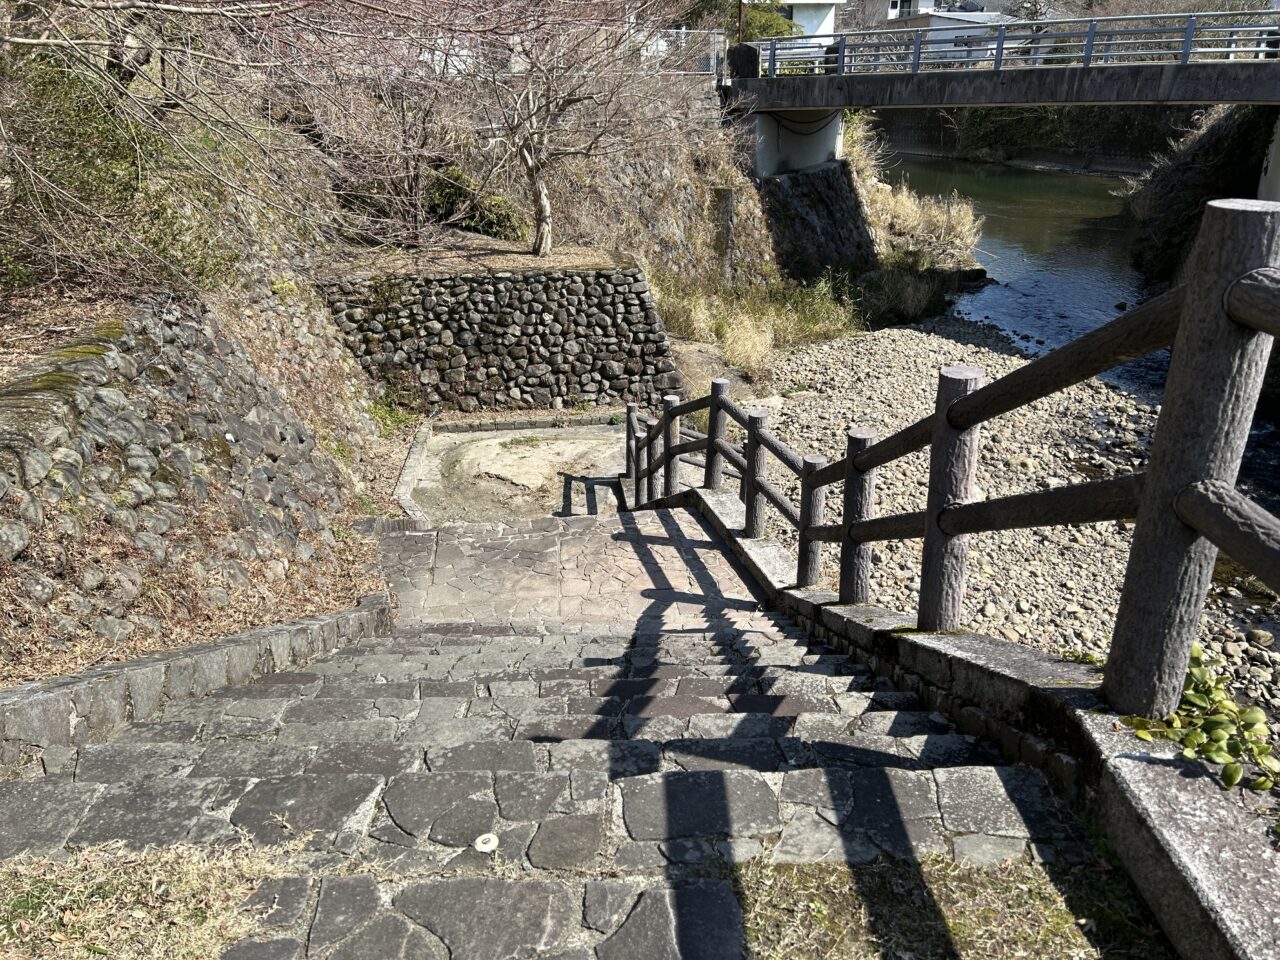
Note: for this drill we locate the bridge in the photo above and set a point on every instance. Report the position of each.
(798, 86)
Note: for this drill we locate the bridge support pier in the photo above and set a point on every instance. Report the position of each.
(1269, 182)
(795, 139)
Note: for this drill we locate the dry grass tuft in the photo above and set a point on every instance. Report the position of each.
(750, 324)
(941, 910)
(173, 903)
(34, 645)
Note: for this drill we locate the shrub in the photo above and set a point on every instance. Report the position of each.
(95, 190)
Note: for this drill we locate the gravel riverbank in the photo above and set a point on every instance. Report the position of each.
(1055, 588)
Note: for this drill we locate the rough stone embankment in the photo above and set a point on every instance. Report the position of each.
(506, 340)
(1054, 588)
(157, 487)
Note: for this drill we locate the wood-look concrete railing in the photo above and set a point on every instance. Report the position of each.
(1220, 323)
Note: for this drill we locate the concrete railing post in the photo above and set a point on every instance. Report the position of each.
(813, 511)
(642, 462)
(633, 411)
(953, 468)
(859, 504)
(670, 437)
(655, 453)
(713, 474)
(752, 498)
(1215, 377)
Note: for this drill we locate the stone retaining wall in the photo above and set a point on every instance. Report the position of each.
(43, 721)
(152, 470)
(544, 339)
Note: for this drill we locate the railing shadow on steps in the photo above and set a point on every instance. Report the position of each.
(712, 800)
(1220, 323)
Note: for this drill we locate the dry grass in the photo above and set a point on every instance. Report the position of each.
(37, 320)
(174, 903)
(32, 647)
(931, 232)
(918, 240)
(749, 325)
(940, 910)
(457, 251)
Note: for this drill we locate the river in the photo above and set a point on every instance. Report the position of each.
(1057, 246)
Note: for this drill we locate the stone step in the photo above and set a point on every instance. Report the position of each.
(343, 918)
(617, 747)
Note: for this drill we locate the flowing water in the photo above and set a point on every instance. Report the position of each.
(1057, 246)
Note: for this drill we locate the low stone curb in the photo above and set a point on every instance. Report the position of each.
(1200, 856)
(553, 422)
(44, 717)
(410, 470)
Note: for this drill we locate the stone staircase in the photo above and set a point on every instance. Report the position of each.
(578, 731)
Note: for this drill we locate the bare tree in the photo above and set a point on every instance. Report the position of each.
(547, 92)
(392, 103)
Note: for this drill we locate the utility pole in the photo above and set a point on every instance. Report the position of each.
(741, 15)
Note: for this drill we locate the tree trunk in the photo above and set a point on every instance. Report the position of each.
(542, 213)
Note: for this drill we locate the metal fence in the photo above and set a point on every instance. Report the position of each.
(692, 52)
(1165, 38)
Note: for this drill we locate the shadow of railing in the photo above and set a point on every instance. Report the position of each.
(698, 804)
(591, 488)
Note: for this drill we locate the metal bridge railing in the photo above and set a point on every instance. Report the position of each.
(1087, 42)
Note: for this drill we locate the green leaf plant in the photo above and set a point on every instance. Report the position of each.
(1211, 726)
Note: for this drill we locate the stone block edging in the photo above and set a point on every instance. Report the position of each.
(410, 470)
(52, 716)
(1199, 855)
(560, 421)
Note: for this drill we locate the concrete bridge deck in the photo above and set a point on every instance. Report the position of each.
(1254, 81)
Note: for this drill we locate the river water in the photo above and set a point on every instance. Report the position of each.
(1057, 246)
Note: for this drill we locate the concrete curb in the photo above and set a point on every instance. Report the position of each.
(1199, 855)
(410, 470)
(51, 716)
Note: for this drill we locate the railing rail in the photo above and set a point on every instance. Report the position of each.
(1220, 324)
(1179, 38)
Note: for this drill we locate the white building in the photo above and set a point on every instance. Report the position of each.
(814, 17)
(953, 34)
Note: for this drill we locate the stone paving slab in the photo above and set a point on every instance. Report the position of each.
(606, 699)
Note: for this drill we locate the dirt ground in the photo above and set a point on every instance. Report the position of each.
(500, 474)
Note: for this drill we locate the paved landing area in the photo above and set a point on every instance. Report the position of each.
(577, 730)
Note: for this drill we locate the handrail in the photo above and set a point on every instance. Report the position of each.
(1115, 498)
(1249, 534)
(731, 453)
(905, 441)
(1089, 42)
(738, 415)
(1220, 325)
(1254, 300)
(1144, 329)
(789, 511)
(788, 457)
(688, 446)
(898, 526)
(691, 406)
(832, 473)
